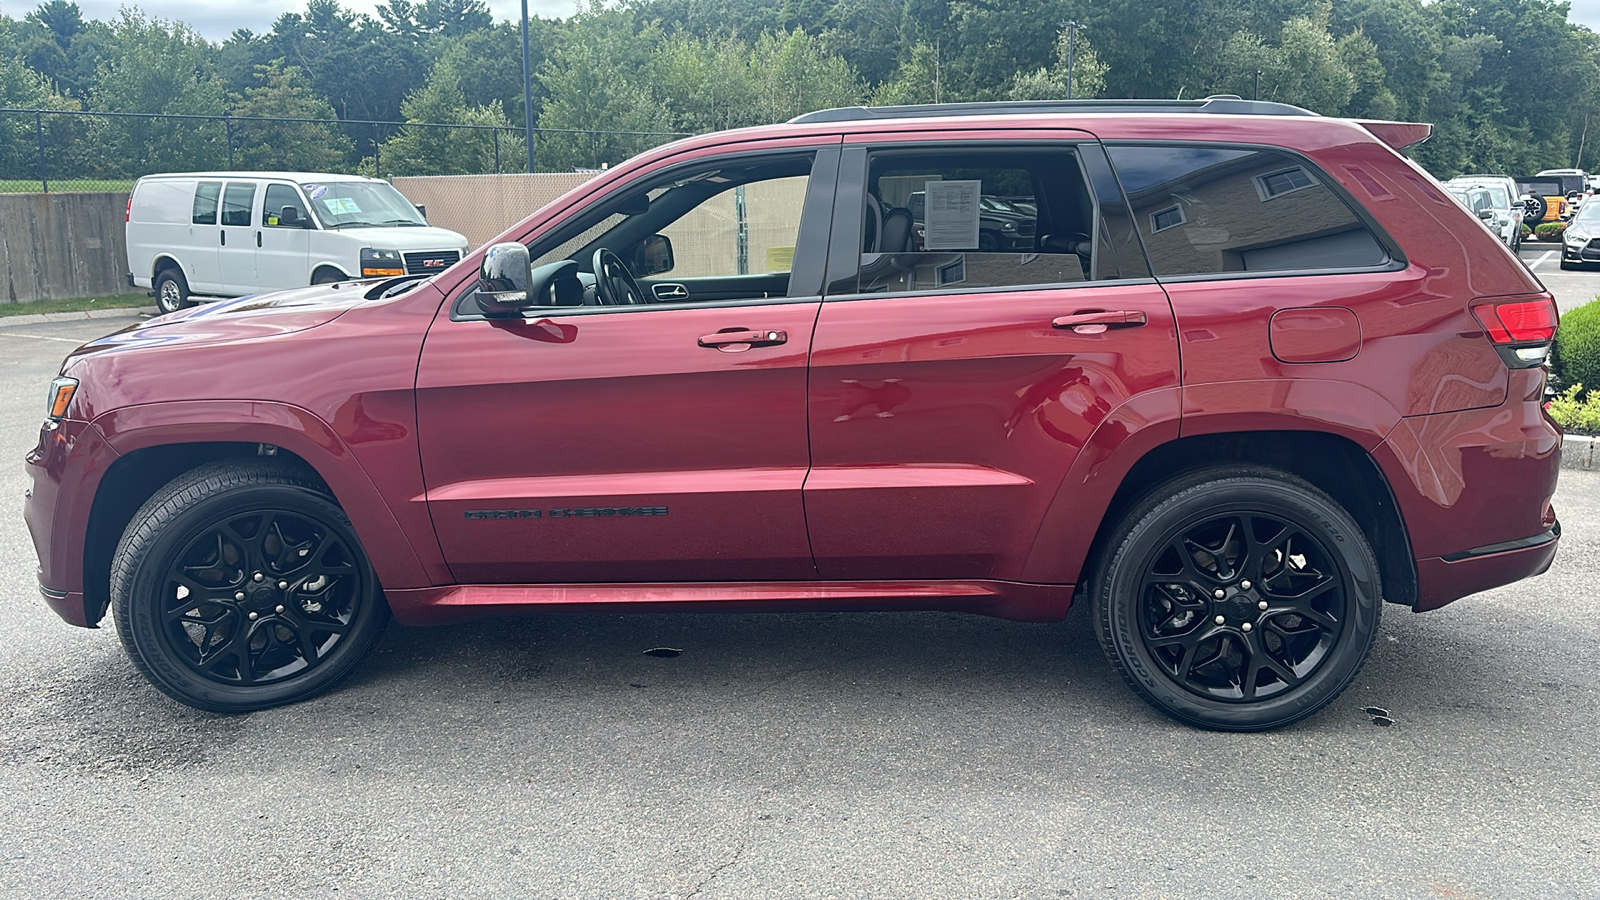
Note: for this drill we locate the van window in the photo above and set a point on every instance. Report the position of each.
(279, 196)
(205, 202)
(236, 201)
(1205, 209)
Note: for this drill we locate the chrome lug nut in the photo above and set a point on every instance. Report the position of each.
(239, 596)
(1219, 619)
(283, 585)
(1244, 585)
(1219, 593)
(1245, 627)
(258, 577)
(254, 616)
(280, 608)
(1261, 605)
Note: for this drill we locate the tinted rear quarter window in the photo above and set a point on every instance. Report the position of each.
(1205, 210)
(236, 201)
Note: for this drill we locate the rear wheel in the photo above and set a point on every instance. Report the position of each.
(172, 290)
(1238, 599)
(241, 585)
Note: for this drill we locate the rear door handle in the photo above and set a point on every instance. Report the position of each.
(1096, 321)
(734, 341)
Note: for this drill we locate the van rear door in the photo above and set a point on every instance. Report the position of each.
(200, 258)
(236, 256)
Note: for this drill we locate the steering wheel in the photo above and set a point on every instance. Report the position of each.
(614, 285)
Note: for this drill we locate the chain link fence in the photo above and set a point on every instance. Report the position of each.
(60, 151)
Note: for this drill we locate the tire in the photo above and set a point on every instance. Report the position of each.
(988, 242)
(1265, 539)
(328, 276)
(287, 602)
(172, 290)
(1537, 207)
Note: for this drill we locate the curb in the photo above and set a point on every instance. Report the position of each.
(1577, 452)
(42, 318)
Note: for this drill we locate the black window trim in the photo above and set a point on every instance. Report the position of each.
(1397, 261)
(825, 165)
(844, 250)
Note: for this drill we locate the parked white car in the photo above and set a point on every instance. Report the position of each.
(226, 234)
(1506, 220)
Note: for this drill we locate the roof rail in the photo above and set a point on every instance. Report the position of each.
(1224, 104)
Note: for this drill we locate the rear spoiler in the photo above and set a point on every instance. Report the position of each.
(1398, 135)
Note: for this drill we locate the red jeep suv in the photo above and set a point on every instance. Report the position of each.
(1249, 374)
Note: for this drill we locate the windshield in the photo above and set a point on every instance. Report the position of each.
(1588, 214)
(361, 204)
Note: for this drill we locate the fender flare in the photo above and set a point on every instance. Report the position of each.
(394, 556)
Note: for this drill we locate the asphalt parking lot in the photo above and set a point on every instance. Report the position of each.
(871, 755)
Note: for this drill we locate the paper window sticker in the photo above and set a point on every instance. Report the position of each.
(950, 216)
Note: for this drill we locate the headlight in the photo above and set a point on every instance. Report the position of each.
(1576, 236)
(381, 263)
(61, 391)
(1008, 226)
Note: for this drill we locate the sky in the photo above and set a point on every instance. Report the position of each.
(216, 20)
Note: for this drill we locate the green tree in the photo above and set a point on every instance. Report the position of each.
(791, 74)
(1087, 72)
(284, 92)
(601, 104)
(154, 66)
(418, 150)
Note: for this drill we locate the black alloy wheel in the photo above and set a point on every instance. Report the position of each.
(241, 585)
(1239, 599)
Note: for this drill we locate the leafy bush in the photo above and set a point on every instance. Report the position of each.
(1526, 229)
(1574, 415)
(1576, 356)
(1550, 231)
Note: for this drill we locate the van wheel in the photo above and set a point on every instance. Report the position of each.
(328, 276)
(241, 585)
(1238, 599)
(172, 291)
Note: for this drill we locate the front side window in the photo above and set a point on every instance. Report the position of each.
(236, 203)
(949, 220)
(281, 199)
(1239, 210)
(746, 230)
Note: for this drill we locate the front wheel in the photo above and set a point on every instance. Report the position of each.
(1237, 599)
(241, 585)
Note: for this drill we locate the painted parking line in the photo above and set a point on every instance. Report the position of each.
(1543, 258)
(41, 337)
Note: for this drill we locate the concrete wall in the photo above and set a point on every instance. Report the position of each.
(57, 246)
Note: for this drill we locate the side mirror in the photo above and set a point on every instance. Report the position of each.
(655, 256)
(1485, 214)
(422, 210)
(505, 279)
(290, 216)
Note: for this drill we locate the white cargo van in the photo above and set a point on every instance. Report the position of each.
(224, 234)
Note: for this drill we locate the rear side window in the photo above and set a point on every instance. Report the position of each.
(1207, 210)
(205, 202)
(951, 219)
(236, 201)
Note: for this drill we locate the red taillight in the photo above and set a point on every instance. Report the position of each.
(127, 214)
(1519, 321)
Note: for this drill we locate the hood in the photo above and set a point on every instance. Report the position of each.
(407, 237)
(243, 318)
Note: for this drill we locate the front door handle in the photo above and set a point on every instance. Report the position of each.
(670, 291)
(740, 339)
(1096, 321)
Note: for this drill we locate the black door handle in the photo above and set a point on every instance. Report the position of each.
(224, 236)
(258, 239)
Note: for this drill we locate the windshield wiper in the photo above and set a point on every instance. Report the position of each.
(402, 222)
